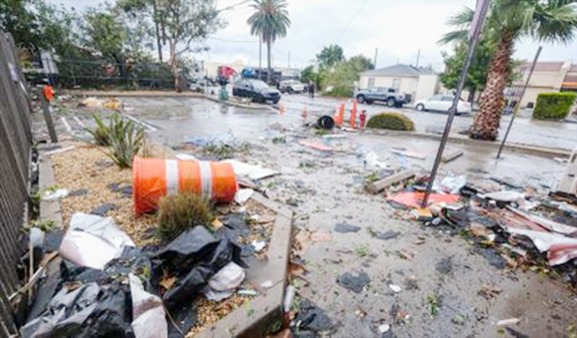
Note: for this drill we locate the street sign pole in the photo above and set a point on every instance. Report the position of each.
(519, 101)
(474, 34)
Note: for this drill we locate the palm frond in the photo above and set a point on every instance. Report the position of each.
(554, 21)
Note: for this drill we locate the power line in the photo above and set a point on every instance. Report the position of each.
(353, 18)
(234, 5)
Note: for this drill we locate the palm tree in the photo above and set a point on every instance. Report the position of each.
(269, 22)
(509, 21)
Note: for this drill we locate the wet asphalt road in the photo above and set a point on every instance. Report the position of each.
(327, 190)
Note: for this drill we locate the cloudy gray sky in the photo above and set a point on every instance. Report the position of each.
(399, 29)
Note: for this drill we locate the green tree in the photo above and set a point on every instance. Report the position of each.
(361, 63)
(509, 21)
(18, 19)
(477, 75)
(270, 21)
(343, 75)
(104, 33)
(148, 19)
(58, 27)
(330, 56)
(186, 22)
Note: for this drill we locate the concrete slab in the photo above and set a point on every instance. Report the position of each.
(49, 210)
(251, 320)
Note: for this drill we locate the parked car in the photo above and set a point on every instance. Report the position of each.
(291, 86)
(442, 103)
(390, 96)
(256, 90)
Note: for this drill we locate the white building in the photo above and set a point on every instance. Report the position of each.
(420, 83)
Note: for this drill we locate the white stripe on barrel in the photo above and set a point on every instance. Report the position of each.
(171, 177)
(206, 178)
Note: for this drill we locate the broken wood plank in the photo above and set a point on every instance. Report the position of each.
(380, 185)
(451, 155)
(409, 154)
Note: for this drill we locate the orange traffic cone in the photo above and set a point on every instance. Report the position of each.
(304, 114)
(340, 115)
(353, 121)
(281, 109)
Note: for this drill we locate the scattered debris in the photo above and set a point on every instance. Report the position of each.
(304, 239)
(254, 172)
(93, 241)
(372, 160)
(258, 245)
(52, 195)
(316, 146)
(414, 199)
(395, 288)
(383, 235)
(504, 196)
(78, 192)
(288, 298)
(266, 284)
(507, 322)
(311, 318)
(409, 154)
(345, 228)
(383, 328)
(225, 282)
(103, 209)
(384, 183)
(355, 282)
(148, 316)
(243, 195)
(489, 291)
(450, 155)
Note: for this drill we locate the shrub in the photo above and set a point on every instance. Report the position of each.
(340, 92)
(100, 133)
(178, 213)
(123, 137)
(392, 121)
(126, 139)
(554, 106)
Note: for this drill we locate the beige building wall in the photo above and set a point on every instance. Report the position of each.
(426, 87)
(545, 79)
(408, 85)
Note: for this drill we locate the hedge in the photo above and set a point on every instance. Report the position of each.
(392, 121)
(554, 106)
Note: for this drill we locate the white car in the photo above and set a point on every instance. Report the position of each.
(442, 103)
(291, 86)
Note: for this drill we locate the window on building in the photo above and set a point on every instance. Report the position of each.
(371, 82)
(397, 84)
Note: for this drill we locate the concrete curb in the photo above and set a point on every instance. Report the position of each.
(117, 93)
(49, 210)
(521, 148)
(251, 320)
(251, 105)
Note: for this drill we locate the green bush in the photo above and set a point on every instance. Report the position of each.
(392, 121)
(178, 213)
(123, 137)
(554, 106)
(100, 133)
(340, 92)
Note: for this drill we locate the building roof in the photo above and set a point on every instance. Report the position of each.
(573, 68)
(399, 70)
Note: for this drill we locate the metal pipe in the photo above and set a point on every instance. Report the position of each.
(519, 101)
(483, 7)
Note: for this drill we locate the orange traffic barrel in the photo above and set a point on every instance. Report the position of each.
(153, 178)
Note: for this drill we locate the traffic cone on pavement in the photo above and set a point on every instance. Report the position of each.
(353, 121)
(304, 114)
(281, 109)
(339, 115)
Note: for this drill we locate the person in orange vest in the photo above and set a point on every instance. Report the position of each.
(48, 92)
(363, 118)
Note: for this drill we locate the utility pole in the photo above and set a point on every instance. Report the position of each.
(519, 100)
(479, 19)
(375, 59)
(157, 29)
(418, 58)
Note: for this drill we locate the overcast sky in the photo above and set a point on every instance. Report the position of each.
(399, 29)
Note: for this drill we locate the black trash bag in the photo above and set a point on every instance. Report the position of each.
(88, 311)
(193, 257)
(312, 318)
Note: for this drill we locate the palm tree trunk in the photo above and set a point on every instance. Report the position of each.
(486, 124)
(268, 55)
